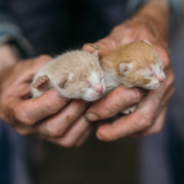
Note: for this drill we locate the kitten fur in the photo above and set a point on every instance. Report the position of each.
(75, 74)
(133, 65)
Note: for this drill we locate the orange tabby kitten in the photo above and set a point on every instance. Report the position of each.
(133, 65)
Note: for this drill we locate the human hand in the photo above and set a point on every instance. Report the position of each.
(49, 116)
(151, 110)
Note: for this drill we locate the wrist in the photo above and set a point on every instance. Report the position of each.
(155, 13)
(9, 56)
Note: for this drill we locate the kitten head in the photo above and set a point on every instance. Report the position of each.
(135, 64)
(89, 88)
(85, 80)
(145, 72)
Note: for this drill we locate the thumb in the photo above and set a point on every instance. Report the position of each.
(33, 110)
(103, 46)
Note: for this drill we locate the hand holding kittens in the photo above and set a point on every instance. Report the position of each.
(151, 111)
(49, 116)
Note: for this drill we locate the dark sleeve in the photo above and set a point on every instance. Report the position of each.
(10, 32)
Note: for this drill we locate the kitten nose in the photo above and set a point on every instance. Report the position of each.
(99, 88)
(161, 78)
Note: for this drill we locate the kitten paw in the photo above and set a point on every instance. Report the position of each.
(41, 83)
(129, 110)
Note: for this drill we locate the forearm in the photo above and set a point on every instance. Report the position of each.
(157, 13)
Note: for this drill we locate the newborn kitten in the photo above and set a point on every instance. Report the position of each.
(75, 74)
(134, 65)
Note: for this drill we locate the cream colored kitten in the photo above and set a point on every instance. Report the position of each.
(76, 74)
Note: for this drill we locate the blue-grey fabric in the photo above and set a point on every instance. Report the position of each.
(4, 156)
(10, 31)
(13, 156)
(162, 155)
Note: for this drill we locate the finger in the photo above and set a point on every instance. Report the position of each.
(119, 99)
(31, 66)
(104, 46)
(160, 118)
(164, 96)
(154, 128)
(84, 137)
(33, 110)
(137, 121)
(73, 134)
(59, 123)
(88, 47)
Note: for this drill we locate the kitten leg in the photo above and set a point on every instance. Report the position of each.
(42, 83)
(129, 110)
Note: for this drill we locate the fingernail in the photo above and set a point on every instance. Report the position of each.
(93, 45)
(99, 136)
(92, 117)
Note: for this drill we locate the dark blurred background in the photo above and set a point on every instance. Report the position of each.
(155, 160)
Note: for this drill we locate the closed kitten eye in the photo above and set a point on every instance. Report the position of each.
(100, 75)
(88, 84)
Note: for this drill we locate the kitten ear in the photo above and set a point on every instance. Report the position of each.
(122, 68)
(95, 53)
(147, 42)
(63, 82)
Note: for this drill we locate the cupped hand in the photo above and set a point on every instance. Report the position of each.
(151, 110)
(49, 116)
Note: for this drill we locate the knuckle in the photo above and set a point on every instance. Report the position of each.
(53, 131)
(142, 124)
(55, 105)
(45, 57)
(136, 95)
(145, 122)
(110, 111)
(22, 118)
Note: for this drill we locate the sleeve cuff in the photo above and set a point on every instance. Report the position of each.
(19, 41)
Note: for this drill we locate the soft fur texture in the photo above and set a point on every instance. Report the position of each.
(75, 74)
(133, 65)
(78, 74)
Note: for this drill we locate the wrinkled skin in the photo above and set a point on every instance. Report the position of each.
(62, 121)
(150, 114)
(49, 116)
